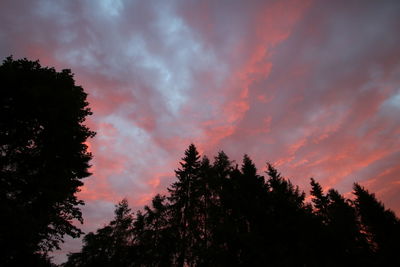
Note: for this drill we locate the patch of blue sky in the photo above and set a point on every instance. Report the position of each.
(111, 8)
(161, 75)
(137, 143)
(394, 100)
(137, 139)
(127, 129)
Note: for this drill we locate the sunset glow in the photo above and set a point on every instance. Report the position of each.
(310, 86)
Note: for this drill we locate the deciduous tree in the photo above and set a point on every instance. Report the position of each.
(43, 157)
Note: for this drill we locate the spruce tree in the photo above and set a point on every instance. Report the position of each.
(320, 200)
(221, 215)
(183, 199)
(110, 245)
(221, 212)
(289, 231)
(348, 243)
(203, 211)
(380, 224)
(250, 208)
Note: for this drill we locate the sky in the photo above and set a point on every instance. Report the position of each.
(310, 86)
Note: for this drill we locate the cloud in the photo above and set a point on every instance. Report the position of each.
(310, 86)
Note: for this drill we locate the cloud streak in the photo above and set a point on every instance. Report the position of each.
(312, 86)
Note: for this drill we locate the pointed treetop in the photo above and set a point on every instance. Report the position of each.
(335, 196)
(205, 161)
(122, 210)
(248, 167)
(363, 196)
(319, 199)
(158, 202)
(222, 162)
(272, 172)
(191, 156)
(367, 201)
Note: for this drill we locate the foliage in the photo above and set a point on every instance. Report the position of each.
(217, 214)
(381, 226)
(110, 245)
(43, 157)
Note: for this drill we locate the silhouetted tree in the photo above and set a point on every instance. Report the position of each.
(348, 245)
(203, 213)
(320, 200)
(249, 206)
(140, 252)
(218, 214)
(43, 157)
(340, 230)
(183, 200)
(381, 226)
(160, 233)
(110, 245)
(223, 223)
(292, 235)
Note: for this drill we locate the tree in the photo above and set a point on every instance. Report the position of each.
(183, 200)
(222, 222)
(109, 246)
(159, 233)
(203, 212)
(43, 157)
(381, 226)
(248, 210)
(221, 215)
(290, 236)
(320, 200)
(340, 229)
(349, 243)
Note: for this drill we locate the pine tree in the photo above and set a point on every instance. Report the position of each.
(347, 240)
(222, 223)
(160, 235)
(220, 215)
(320, 200)
(142, 248)
(183, 199)
(380, 224)
(290, 236)
(203, 212)
(340, 230)
(109, 246)
(283, 190)
(250, 213)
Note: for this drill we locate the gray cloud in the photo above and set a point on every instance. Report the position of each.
(310, 86)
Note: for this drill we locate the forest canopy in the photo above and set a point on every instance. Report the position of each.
(221, 214)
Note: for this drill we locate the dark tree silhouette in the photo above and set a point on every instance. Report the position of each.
(248, 206)
(110, 245)
(381, 226)
(183, 200)
(205, 202)
(289, 234)
(43, 157)
(320, 200)
(217, 214)
(159, 234)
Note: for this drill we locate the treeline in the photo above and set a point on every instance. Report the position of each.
(221, 214)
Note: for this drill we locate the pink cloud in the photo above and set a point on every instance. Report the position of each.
(310, 86)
